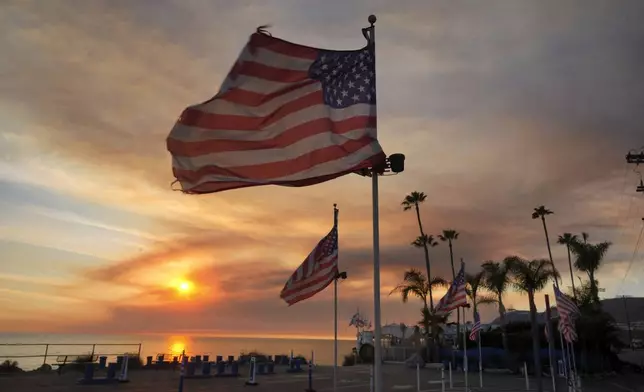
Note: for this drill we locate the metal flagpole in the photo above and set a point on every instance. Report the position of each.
(465, 351)
(377, 360)
(335, 310)
(480, 359)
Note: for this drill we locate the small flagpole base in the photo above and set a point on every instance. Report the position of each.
(309, 390)
(252, 383)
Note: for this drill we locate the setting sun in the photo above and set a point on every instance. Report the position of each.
(183, 286)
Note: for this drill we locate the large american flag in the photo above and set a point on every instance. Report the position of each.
(456, 295)
(316, 272)
(286, 114)
(476, 327)
(568, 312)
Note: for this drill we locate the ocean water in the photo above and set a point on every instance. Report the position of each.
(31, 356)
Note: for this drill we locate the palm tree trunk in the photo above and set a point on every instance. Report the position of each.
(536, 346)
(458, 314)
(593, 285)
(420, 224)
(429, 277)
(504, 335)
(545, 230)
(572, 278)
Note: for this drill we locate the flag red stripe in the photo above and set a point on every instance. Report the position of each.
(211, 186)
(309, 294)
(251, 98)
(266, 72)
(278, 169)
(194, 117)
(283, 47)
(286, 138)
(309, 282)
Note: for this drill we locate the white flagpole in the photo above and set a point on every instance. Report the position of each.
(377, 360)
(335, 311)
(465, 370)
(480, 359)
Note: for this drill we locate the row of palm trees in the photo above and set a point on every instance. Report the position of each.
(526, 276)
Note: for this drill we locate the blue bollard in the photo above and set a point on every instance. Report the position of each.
(298, 365)
(219, 358)
(234, 369)
(111, 370)
(270, 368)
(119, 360)
(102, 362)
(205, 370)
(270, 358)
(206, 358)
(148, 361)
(261, 368)
(190, 368)
(310, 388)
(231, 358)
(89, 372)
(221, 368)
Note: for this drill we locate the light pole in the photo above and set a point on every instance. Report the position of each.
(392, 165)
(342, 276)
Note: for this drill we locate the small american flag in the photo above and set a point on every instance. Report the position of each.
(286, 114)
(566, 307)
(568, 312)
(567, 329)
(476, 327)
(456, 295)
(316, 272)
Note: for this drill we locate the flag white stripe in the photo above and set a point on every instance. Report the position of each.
(224, 107)
(278, 60)
(311, 289)
(303, 280)
(257, 85)
(323, 169)
(195, 134)
(294, 292)
(258, 157)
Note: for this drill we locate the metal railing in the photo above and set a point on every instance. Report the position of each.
(46, 354)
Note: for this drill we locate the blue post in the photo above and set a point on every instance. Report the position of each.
(221, 367)
(220, 358)
(206, 369)
(102, 362)
(310, 388)
(252, 372)
(206, 358)
(183, 369)
(89, 372)
(234, 368)
(111, 370)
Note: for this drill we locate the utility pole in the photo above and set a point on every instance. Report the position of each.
(628, 323)
(637, 158)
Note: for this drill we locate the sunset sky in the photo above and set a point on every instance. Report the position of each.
(499, 106)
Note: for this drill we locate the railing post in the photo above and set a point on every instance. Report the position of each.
(93, 351)
(44, 360)
(139, 350)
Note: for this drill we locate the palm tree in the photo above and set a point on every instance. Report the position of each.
(475, 283)
(530, 277)
(567, 239)
(450, 236)
(426, 241)
(541, 212)
(588, 258)
(415, 284)
(413, 200)
(497, 280)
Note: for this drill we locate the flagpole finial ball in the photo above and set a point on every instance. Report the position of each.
(372, 19)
